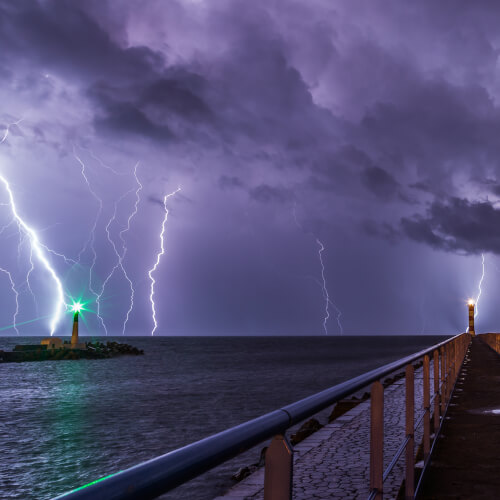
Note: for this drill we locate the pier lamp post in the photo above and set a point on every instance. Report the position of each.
(471, 317)
(76, 308)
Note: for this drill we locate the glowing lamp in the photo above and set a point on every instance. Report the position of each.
(471, 302)
(76, 307)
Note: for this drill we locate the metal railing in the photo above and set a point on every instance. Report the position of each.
(492, 340)
(449, 357)
(157, 476)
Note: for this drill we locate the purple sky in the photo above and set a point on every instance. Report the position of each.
(376, 122)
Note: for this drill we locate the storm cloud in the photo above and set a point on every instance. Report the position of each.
(374, 124)
(457, 225)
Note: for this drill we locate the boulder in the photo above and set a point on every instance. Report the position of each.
(306, 429)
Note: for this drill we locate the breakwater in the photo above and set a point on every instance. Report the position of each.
(96, 350)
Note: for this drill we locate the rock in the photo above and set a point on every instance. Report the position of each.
(250, 469)
(306, 429)
(342, 407)
(244, 472)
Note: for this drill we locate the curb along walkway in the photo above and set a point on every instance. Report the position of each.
(334, 461)
(466, 460)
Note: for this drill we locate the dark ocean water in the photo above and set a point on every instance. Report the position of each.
(66, 423)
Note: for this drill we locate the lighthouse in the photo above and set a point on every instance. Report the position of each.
(74, 334)
(76, 308)
(471, 317)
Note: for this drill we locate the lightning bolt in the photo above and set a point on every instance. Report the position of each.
(7, 130)
(36, 247)
(322, 283)
(28, 283)
(9, 275)
(16, 295)
(124, 247)
(104, 165)
(480, 291)
(158, 258)
(121, 256)
(476, 312)
(91, 239)
(325, 289)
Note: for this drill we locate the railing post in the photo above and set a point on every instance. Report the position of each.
(278, 472)
(436, 390)
(454, 364)
(427, 409)
(455, 361)
(410, 447)
(448, 370)
(377, 439)
(454, 367)
(443, 381)
(460, 353)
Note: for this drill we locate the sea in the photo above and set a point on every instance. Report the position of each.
(64, 424)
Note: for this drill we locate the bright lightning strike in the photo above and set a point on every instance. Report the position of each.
(339, 312)
(124, 247)
(325, 289)
(16, 295)
(121, 255)
(91, 240)
(322, 283)
(476, 301)
(36, 247)
(479, 286)
(40, 255)
(28, 283)
(158, 257)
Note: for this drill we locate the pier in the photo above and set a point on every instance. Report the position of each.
(466, 459)
(429, 430)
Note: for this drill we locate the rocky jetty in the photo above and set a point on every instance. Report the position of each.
(93, 350)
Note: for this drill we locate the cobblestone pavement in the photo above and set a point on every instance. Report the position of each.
(334, 462)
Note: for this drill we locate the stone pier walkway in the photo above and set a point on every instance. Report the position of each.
(334, 462)
(466, 461)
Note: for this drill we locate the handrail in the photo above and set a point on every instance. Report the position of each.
(161, 474)
(452, 359)
(395, 458)
(437, 432)
(402, 447)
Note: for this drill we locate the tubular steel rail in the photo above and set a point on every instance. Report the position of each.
(449, 357)
(161, 474)
(492, 340)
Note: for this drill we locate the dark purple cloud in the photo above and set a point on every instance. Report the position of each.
(379, 182)
(375, 124)
(457, 225)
